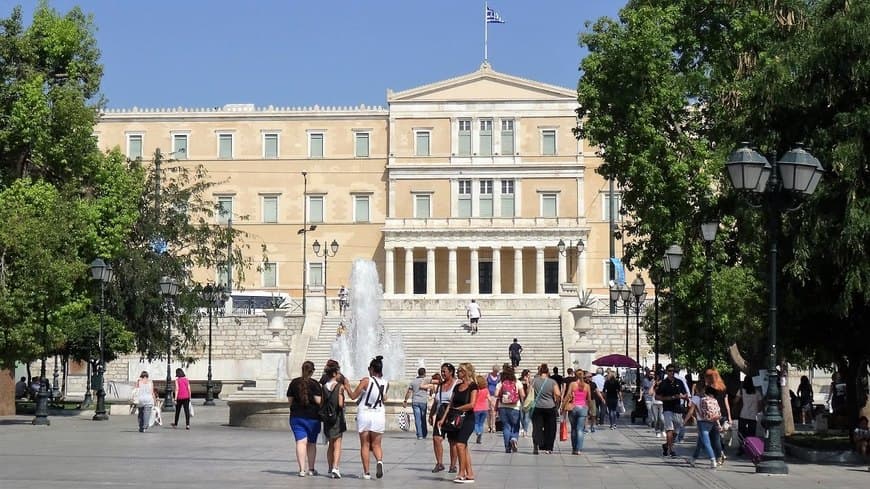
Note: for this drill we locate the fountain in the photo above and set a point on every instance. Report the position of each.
(366, 337)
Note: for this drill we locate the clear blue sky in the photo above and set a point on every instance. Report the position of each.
(205, 53)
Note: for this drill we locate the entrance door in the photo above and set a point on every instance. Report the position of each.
(419, 277)
(551, 277)
(484, 276)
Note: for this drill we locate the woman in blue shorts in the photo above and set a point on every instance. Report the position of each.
(304, 395)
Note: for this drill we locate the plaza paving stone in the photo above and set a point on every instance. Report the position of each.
(75, 452)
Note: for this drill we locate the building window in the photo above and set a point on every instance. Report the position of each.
(225, 209)
(463, 204)
(223, 276)
(361, 208)
(605, 273)
(422, 142)
(485, 137)
(270, 208)
(611, 201)
(315, 274)
(486, 198)
(549, 205)
(361, 149)
(225, 146)
(270, 145)
(422, 206)
(270, 274)
(315, 209)
(548, 142)
(134, 146)
(507, 198)
(315, 145)
(507, 137)
(464, 137)
(179, 146)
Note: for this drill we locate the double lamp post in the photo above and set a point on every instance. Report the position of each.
(102, 272)
(168, 290)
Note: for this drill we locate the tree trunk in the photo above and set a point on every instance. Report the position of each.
(7, 392)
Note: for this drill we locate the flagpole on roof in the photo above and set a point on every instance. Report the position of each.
(485, 32)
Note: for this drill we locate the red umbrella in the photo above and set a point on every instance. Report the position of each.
(616, 360)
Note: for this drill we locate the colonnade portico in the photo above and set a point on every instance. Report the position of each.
(477, 269)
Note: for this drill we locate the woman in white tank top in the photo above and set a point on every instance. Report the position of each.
(371, 393)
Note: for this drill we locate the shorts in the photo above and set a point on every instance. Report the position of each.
(474, 320)
(673, 421)
(374, 420)
(305, 428)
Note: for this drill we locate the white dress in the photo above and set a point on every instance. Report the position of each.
(371, 415)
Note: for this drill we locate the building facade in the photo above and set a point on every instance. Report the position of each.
(462, 187)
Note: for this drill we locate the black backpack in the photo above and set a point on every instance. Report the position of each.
(329, 410)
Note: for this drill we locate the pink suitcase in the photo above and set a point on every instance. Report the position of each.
(754, 447)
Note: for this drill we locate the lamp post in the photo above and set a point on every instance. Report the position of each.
(168, 289)
(655, 276)
(708, 231)
(333, 247)
(638, 292)
(304, 232)
(41, 415)
(565, 251)
(621, 293)
(102, 272)
(214, 296)
(671, 263)
(797, 173)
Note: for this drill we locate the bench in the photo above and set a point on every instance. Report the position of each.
(197, 387)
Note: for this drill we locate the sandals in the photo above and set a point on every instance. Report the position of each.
(438, 468)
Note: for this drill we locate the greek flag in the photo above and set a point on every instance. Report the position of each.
(620, 270)
(492, 17)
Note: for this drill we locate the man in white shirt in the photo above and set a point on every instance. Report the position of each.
(598, 379)
(472, 310)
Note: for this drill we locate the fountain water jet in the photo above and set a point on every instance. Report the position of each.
(365, 336)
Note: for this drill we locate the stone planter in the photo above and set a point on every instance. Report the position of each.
(275, 325)
(582, 320)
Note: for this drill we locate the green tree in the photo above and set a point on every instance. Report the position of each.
(669, 88)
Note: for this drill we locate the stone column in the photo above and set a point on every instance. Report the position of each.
(451, 271)
(430, 271)
(496, 271)
(389, 271)
(475, 272)
(539, 269)
(409, 271)
(563, 268)
(518, 270)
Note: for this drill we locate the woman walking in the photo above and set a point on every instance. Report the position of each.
(525, 416)
(462, 405)
(509, 395)
(440, 403)
(805, 396)
(371, 392)
(144, 400)
(334, 386)
(716, 388)
(182, 398)
(492, 380)
(576, 406)
(481, 406)
(707, 422)
(750, 406)
(547, 398)
(304, 396)
(612, 396)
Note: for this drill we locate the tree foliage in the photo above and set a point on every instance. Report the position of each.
(670, 88)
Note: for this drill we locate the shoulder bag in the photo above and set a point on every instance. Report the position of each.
(455, 417)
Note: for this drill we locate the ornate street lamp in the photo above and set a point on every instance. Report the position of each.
(708, 231)
(797, 173)
(102, 272)
(565, 250)
(638, 292)
(168, 289)
(622, 294)
(671, 263)
(214, 297)
(333, 247)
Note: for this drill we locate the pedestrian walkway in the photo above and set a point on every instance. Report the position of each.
(75, 452)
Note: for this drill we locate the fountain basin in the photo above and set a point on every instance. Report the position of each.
(275, 414)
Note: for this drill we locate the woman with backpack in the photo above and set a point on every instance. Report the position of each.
(716, 387)
(371, 418)
(509, 395)
(334, 386)
(707, 415)
(576, 405)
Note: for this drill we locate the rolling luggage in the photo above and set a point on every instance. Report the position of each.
(754, 447)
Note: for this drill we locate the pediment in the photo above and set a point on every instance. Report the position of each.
(483, 84)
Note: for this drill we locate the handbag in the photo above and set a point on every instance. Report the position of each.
(531, 409)
(403, 420)
(190, 407)
(620, 407)
(454, 420)
(563, 430)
